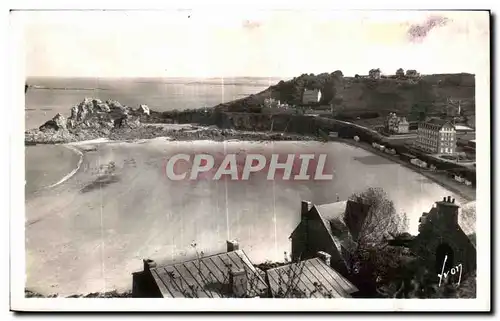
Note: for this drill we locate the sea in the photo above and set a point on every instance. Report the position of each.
(48, 96)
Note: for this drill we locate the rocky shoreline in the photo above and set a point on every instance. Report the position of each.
(93, 119)
(146, 131)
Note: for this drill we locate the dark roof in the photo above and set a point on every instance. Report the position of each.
(309, 278)
(356, 214)
(439, 122)
(207, 277)
(332, 216)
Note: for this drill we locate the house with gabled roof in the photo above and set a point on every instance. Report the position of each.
(227, 274)
(232, 275)
(312, 278)
(330, 228)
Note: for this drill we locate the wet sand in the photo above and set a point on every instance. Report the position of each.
(91, 232)
(47, 165)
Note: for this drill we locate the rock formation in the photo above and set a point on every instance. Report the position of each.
(56, 123)
(92, 118)
(143, 109)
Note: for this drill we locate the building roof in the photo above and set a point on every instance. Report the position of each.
(332, 210)
(207, 277)
(310, 278)
(332, 217)
(438, 122)
(463, 127)
(341, 231)
(467, 137)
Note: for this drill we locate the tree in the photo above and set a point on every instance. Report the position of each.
(381, 219)
(338, 74)
(419, 111)
(400, 72)
(374, 73)
(370, 258)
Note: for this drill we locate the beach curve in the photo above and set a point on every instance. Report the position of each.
(73, 172)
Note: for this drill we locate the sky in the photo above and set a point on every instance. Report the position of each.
(252, 44)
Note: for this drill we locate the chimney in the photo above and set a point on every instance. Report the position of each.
(325, 257)
(238, 282)
(447, 212)
(305, 208)
(148, 264)
(232, 246)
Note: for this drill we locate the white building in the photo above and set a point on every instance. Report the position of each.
(437, 136)
(311, 96)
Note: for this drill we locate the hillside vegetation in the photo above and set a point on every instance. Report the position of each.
(357, 95)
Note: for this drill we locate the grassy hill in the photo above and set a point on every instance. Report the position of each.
(353, 96)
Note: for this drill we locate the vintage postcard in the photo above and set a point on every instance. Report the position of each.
(336, 159)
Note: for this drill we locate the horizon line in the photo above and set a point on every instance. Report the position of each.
(216, 77)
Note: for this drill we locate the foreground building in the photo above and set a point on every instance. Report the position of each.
(312, 278)
(322, 228)
(232, 275)
(436, 136)
(442, 244)
(228, 274)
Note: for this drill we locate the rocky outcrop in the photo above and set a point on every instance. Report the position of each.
(92, 118)
(57, 123)
(97, 115)
(143, 110)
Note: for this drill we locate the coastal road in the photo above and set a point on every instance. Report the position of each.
(91, 232)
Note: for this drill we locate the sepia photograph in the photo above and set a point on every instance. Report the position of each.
(251, 154)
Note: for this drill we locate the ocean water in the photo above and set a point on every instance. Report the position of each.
(57, 95)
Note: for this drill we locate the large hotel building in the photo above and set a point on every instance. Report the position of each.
(436, 136)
